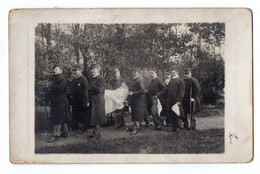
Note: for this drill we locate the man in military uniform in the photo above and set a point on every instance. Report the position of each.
(191, 100)
(97, 100)
(175, 93)
(138, 107)
(115, 83)
(59, 105)
(79, 99)
(156, 89)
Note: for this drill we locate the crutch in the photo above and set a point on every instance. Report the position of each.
(47, 115)
(191, 112)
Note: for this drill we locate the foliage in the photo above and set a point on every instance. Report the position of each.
(129, 46)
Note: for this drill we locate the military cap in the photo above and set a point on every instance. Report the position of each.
(76, 68)
(188, 70)
(116, 70)
(95, 66)
(151, 69)
(57, 65)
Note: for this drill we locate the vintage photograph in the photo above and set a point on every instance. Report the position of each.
(129, 88)
(124, 86)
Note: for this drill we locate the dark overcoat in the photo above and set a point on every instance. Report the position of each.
(59, 103)
(138, 107)
(79, 91)
(192, 89)
(79, 98)
(175, 93)
(97, 100)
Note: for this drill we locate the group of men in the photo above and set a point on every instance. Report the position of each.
(88, 101)
(86, 98)
(182, 93)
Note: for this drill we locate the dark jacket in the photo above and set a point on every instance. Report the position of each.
(97, 100)
(79, 92)
(175, 93)
(156, 87)
(192, 89)
(138, 107)
(59, 103)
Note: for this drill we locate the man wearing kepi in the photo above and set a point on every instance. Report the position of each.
(115, 83)
(59, 105)
(175, 93)
(97, 100)
(156, 89)
(191, 100)
(138, 107)
(80, 100)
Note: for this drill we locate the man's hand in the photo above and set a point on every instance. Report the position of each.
(192, 100)
(130, 93)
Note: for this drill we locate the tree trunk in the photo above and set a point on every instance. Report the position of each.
(48, 34)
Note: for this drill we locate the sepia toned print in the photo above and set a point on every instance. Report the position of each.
(135, 88)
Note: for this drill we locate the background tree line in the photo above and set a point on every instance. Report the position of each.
(199, 46)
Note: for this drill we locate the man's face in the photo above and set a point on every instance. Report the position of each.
(135, 74)
(57, 70)
(94, 71)
(117, 75)
(153, 74)
(187, 75)
(77, 73)
(174, 74)
(168, 76)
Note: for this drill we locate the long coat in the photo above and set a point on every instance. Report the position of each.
(59, 103)
(175, 93)
(79, 91)
(192, 89)
(138, 107)
(97, 100)
(79, 98)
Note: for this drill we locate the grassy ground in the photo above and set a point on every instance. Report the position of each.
(208, 140)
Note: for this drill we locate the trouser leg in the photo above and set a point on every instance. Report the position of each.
(137, 125)
(83, 119)
(121, 119)
(175, 121)
(98, 128)
(117, 121)
(193, 126)
(76, 112)
(94, 130)
(168, 121)
(185, 120)
(146, 116)
(154, 112)
(57, 130)
(65, 129)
